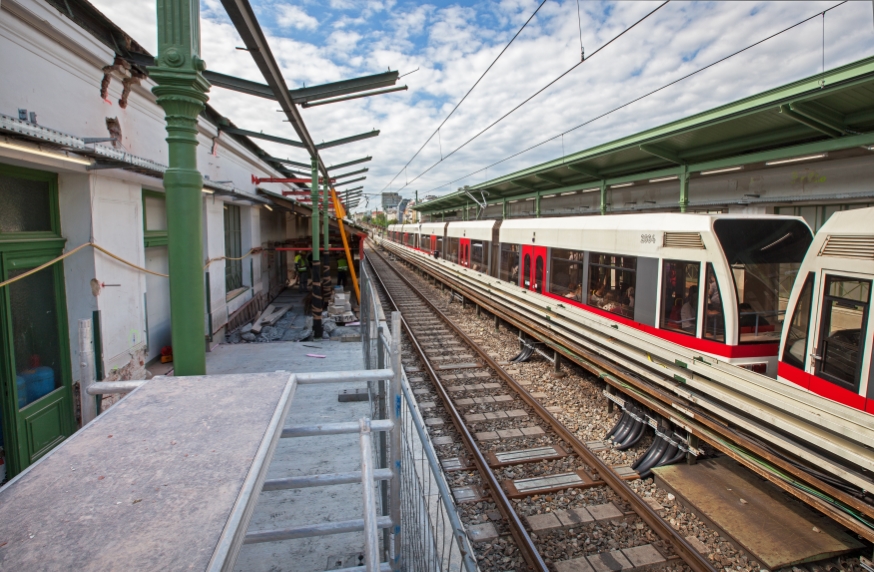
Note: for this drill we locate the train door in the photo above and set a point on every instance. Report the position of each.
(843, 325)
(464, 251)
(433, 243)
(533, 267)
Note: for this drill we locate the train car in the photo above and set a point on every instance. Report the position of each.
(469, 243)
(718, 284)
(827, 344)
(431, 238)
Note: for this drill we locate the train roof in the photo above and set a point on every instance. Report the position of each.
(845, 242)
(475, 229)
(433, 228)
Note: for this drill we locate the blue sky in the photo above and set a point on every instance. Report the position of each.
(451, 43)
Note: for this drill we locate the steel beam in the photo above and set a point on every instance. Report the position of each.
(662, 153)
(585, 171)
(345, 140)
(350, 173)
(349, 181)
(344, 87)
(355, 96)
(264, 136)
(350, 163)
(812, 123)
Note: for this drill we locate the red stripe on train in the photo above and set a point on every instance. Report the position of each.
(824, 388)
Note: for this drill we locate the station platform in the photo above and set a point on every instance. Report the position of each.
(304, 456)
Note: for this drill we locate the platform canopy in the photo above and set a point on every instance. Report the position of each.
(827, 113)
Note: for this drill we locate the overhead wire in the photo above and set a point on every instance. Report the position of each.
(436, 131)
(535, 94)
(635, 100)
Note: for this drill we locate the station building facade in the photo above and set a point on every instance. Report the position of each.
(82, 153)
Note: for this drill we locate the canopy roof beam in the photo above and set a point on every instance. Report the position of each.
(350, 173)
(349, 181)
(662, 153)
(350, 163)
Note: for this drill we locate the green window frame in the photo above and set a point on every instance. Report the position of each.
(54, 214)
(153, 237)
(233, 248)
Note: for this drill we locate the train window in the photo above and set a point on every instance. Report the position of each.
(765, 255)
(714, 316)
(680, 296)
(611, 283)
(526, 271)
(510, 263)
(538, 274)
(844, 317)
(452, 255)
(566, 274)
(477, 254)
(439, 245)
(795, 351)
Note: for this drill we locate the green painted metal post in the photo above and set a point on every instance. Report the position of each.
(505, 210)
(537, 205)
(603, 197)
(181, 91)
(326, 256)
(317, 266)
(684, 188)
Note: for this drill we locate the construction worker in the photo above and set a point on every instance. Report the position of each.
(300, 264)
(342, 270)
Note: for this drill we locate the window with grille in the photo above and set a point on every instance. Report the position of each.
(233, 248)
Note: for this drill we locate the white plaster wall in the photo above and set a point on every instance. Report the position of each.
(214, 247)
(118, 223)
(74, 196)
(157, 301)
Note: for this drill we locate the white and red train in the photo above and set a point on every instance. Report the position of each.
(722, 285)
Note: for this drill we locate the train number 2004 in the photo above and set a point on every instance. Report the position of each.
(647, 238)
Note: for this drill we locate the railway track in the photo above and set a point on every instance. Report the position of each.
(467, 396)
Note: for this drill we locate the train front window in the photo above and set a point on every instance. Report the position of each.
(566, 274)
(765, 255)
(680, 296)
(611, 283)
(795, 351)
(510, 262)
(844, 317)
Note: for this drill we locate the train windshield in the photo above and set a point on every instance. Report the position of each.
(764, 255)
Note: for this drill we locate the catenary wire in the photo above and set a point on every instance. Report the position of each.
(436, 131)
(532, 96)
(635, 100)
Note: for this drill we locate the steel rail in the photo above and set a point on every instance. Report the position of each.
(697, 561)
(691, 417)
(517, 529)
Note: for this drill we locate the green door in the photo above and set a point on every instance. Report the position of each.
(35, 374)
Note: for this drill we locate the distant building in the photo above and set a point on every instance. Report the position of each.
(390, 200)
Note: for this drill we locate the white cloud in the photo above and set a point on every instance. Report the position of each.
(288, 16)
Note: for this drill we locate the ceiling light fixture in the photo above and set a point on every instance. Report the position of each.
(621, 186)
(664, 179)
(592, 190)
(268, 207)
(49, 154)
(570, 193)
(797, 159)
(207, 191)
(718, 171)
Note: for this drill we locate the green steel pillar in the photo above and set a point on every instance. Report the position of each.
(505, 210)
(326, 255)
(684, 188)
(603, 197)
(181, 91)
(317, 266)
(537, 205)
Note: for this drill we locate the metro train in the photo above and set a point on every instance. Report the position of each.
(723, 285)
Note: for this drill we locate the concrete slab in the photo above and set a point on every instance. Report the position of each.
(754, 514)
(305, 456)
(482, 532)
(543, 522)
(574, 517)
(609, 562)
(644, 557)
(606, 511)
(575, 565)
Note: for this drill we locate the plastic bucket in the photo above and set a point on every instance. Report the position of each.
(40, 382)
(21, 387)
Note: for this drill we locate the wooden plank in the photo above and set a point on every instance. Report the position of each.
(276, 315)
(775, 529)
(259, 321)
(164, 480)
